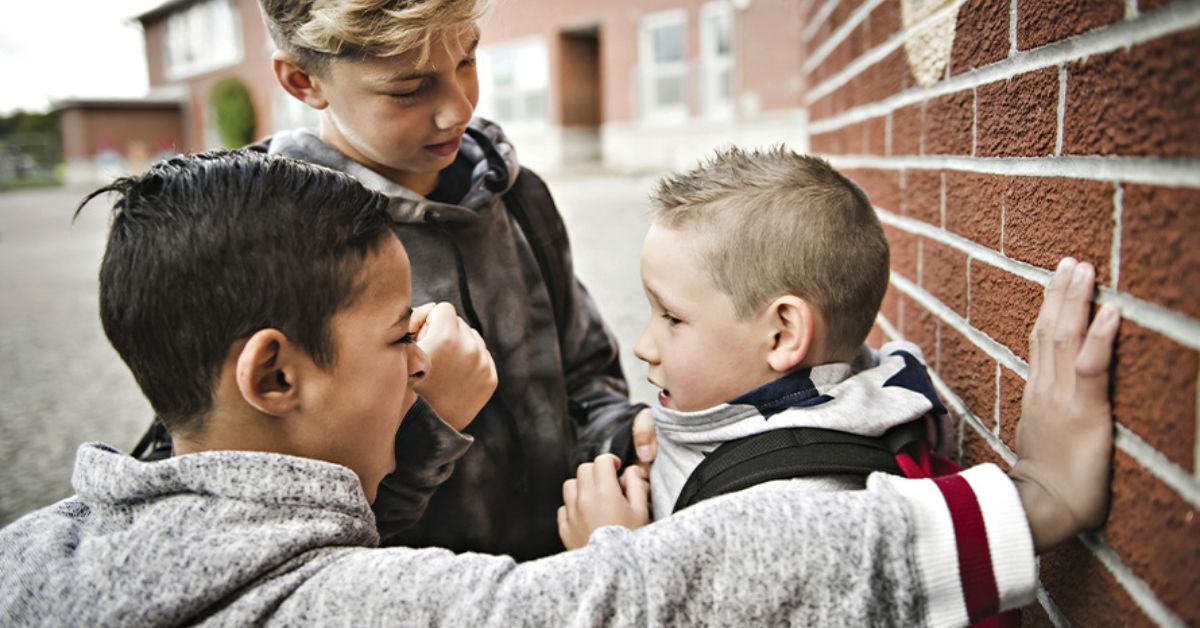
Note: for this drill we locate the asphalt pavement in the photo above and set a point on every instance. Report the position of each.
(61, 383)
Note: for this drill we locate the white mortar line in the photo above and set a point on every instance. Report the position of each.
(974, 121)
(942, 218)
(969, 418)
(887, 149)
(1043, 597)
(874, 55)
(839, 35)
(1012, 28)
(1163, 171)
(1131, 9)
(819, 19)
(920, 261)
(1139, 591)
(1169, 20)
(1114, 265)
(993, 349)
(1062, 109)
(1158, 465)
(996, 407)
(1196, 455)
(1174, 325)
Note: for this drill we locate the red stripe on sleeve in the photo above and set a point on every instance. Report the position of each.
(974, 556)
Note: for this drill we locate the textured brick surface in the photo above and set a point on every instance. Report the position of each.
(976, 450)
(1084, 591)
(973, 206)
(1160, 245)
(881, 186)
(1004, 306)
(890, 308)
(1148, 5)
(1012, 386)
(875, 136)
(826, 143)
(1046, 219)
(921, 328)
(970, 373)
(1034, 616)
(948, 124)
(884, 22)
(906, 130)
(1041, 22)
(1154, 391)
(1157, 535)
(902, 246)
(982, 35)
(1142, 101)
(1018, 117)
(921, 197)
(944, 275)
(882, 79)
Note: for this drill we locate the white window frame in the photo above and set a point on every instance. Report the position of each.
(650, 71)
(191, 27)
(713, 64)
(531, 78)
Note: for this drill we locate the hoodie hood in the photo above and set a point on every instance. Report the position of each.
(493, 160)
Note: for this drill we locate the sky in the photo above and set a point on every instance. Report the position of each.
(55, 49)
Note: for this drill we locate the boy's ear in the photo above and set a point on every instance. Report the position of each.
(297, 81)
(267, 373)
(793, 322)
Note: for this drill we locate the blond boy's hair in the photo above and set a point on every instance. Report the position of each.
(773, 222)
(318, 31)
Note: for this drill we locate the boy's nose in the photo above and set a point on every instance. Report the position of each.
(418, 364)
(644, 349)
(456, 110)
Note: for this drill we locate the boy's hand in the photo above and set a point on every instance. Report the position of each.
(594, 499)
(1064, 437)
(462, 375)
(645, 441)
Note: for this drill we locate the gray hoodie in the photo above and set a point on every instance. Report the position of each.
(238, 538)
(504, 493)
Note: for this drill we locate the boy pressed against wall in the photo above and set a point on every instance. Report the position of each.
(396, 86)
(285, 405)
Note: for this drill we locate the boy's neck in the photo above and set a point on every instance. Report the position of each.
(419, 182)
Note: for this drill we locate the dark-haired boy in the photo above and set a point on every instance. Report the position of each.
(288, 418)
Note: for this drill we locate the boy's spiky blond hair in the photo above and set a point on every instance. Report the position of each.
(317, 31)
(774, 222)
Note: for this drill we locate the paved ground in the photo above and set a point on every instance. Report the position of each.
(61, 384)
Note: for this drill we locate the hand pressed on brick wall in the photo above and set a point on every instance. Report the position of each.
(1064, 437)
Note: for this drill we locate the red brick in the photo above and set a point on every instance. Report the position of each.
(876, 337)
(983, 31)
(852, 139)
(944, 275)
(902, 247)
(1034, 616)
(1012, 387)
(921, 197)
(977, 450)
(1148, 5)
(1046, 219)
(1160, 244)
(875, 138)
(1154, 391)
(1141, 101)
(884, 22)
(1004, 306)
(1084, 591)
(890, 308)
(1018, 117)
(948, 124)
(920, 327)
(881, 186)
(970, 373)
(826, 143)
(822, 108)
(906, 130)
(884, 78)
(1040, 22)
(973, 206)
(1157, 536)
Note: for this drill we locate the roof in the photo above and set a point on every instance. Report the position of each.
(144, 102)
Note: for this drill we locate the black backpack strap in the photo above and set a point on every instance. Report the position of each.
(794, 453)
(529, 204)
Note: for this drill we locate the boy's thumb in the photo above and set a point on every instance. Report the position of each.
(637, 489)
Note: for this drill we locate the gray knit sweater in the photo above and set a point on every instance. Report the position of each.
(236, 538)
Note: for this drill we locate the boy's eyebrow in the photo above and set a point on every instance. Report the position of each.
(405, 315)
(413, 76)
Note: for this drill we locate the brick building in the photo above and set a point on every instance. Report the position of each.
(106, 138)
(996, 136)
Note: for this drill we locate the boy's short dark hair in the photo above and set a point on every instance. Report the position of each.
(207, 249)
(775, 222)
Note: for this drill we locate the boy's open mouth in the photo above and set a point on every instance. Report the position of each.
(664, 397)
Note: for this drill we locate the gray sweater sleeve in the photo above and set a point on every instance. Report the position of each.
(426, 452)
(770, 555)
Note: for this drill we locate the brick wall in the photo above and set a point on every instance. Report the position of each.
(995, 137)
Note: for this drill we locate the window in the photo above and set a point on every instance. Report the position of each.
(716, 58)
(203, 37)
(515, 81)
(663, 67)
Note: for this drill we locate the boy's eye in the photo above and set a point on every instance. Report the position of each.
(408, 94)
(468, 62)
(406, 339)
(671, 320)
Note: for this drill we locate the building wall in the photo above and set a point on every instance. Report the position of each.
(100, 142)
(1039, 129)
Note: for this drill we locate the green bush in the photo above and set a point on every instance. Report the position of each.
(233, 113)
